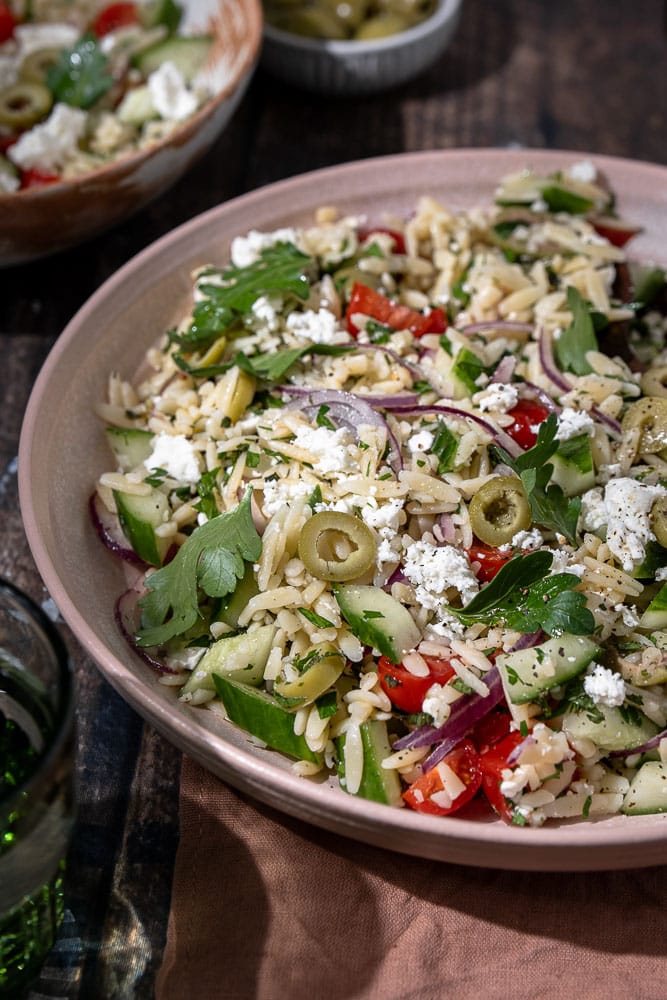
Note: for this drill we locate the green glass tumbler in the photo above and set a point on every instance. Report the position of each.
(36, 786)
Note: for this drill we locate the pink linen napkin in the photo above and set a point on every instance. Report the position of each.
(265, 907)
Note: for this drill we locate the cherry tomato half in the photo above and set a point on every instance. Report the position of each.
(527, 414)
(404, 689)
(422, 795)
(7, 22)
(615, 230)
(371, 303)
(399, 242)
(114, 16)
(37, 178)
(493, 762)
(489, 559)
(491, 730)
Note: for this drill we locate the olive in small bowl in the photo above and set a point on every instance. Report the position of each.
(345, 48)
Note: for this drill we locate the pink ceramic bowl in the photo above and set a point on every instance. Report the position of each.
(41, 220)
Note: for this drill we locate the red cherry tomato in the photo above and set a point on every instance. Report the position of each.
(371, 303)
(527, 414)
(490, 730)
(399, 242)
(404, 689)
(615, 230)
(489, 559)
(493, 762)
(7, 22)
(114, 16)
(37, 178)
(427, 793)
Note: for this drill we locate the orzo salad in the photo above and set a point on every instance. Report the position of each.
(85, 83)
(396, 500)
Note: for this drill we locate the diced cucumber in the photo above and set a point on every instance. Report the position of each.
(232, 605)
(377, 783)
(617, 730)
(239, 657)
(642, 674)
(130, 445)
(466, 369)
(378, 620)
(139, 516)
(260, 715)
(160, 12)
(137, 107)
(527, 673)
(573, 467)
(655, 616)
(325, 665)
(655, 558)
(648, 790)
(188, 53)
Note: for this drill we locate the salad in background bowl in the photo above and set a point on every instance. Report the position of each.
(104, 105)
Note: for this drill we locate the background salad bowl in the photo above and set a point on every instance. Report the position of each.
(63, 451)
(40, 220)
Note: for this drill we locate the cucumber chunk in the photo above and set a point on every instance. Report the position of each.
(527, 673)
(139, 516)
(232, 605)
(466, 369)
(616, 730)
(573, 467)
(378, 620)
(655, 557)
(325, 665)
(239, 657)
(130, 445)
(188, 54)
(260, 715)
(377, 783)
(655, 616)
(648, 790)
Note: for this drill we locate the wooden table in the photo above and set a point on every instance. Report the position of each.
(586, 75)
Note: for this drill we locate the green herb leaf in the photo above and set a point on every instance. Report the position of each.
(207, 489)
(213, 559)
(81, 76)
(327, 705)
(579, 338)
(444, 447)
(559, 199)
(274, 367)
(317, 620)
(523, 596)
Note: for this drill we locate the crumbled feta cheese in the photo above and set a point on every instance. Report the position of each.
(331, 243)
(246, 250)
(628, 505)
(278, 492)
(47, 146)
(175, 454)
(321, 327)
(264, 316)
(333, 451)
(432, 570)
(435, 703)
(527, 539)
(571, 423)
(45, 35)
(172, 99)
(421, 441)
(593, 515)
(584, 171)
(497, 397)
(385, 518)
(604, 686)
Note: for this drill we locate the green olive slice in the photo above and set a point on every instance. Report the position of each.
(499, 510)
(336, 546)
(658, 520)
(649, 416)
(36, 65)
(324, 665)
(381, 26)
(24, 104)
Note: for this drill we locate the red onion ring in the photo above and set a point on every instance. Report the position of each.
(504, 370)
(109, 531)
(126, 616)
(651, 744)
(498, 435)
(528, 390)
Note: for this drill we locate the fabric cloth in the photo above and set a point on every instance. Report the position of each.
(266, 907)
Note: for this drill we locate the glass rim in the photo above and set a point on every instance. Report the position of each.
(64, 715)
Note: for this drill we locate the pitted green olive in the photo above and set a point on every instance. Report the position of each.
(654, 381)
(336, 546)
(36, 65)
(649, 417)
(381, 26)
(499, 510)
(313, 22)
(24, 104)
(658, 520)
(350, 13)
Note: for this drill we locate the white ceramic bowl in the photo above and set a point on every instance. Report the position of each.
(347, 68)
(41, 220)
(62, 451)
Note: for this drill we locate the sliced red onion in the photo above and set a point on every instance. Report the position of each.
(352, 412)
(528, 390)
(498, 435)
(386, 401)
(447, 528)
(651, 744)
(504, 370)
(513, 757)
(109, 531)
(498, 324)
(126, 615)
(465, 713)
(529, 640)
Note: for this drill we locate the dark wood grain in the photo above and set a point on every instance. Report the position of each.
(586, 75)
